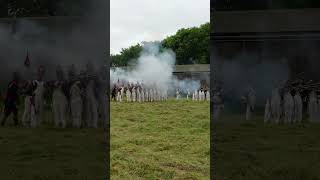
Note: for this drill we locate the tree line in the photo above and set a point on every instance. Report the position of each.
(191, 46)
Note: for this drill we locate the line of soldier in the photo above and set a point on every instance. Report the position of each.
(200, 95)
(289, 107)
(217, 103)
(137, 92)
(80, 94)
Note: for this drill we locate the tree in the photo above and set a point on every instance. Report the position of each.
(191, 46)
(126, 55)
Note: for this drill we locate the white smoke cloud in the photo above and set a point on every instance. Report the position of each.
(245, 70)
(154, 68)
(54, 41)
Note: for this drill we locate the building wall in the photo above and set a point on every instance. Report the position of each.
(203, 77)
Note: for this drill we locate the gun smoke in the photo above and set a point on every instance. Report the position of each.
(54, 41)
(240, 73)
(154, 68)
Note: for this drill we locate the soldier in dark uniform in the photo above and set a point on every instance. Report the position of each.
(11, 100)
(27, 90)
(114, 92)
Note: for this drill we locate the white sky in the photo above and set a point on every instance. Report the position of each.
(134, 21)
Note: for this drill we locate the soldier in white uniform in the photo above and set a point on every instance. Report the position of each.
(298, 107)
(59, 99)
(76, 104)
(166, 95)
(267, 112)
(39, 95)
(155, 98)
(151, 94)
(128, 94)
(139, 95)
(202, 95)
(217, 105)
(313, 107)
(147, 98)
(275, 106)
(288, 107)
(37, 111)
(196, 95)
(118, 96)
(250, 103)
(26, 118)
(154, 94)
(188, 94)
(122, 94)
(134, 94)
(158, 95)
(142, 95)
(59, 102)
(92, 106)
(29, 107)
(177, 94)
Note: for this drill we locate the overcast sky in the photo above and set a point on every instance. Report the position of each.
(134, 21)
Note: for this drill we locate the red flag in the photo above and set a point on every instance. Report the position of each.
(27, 61)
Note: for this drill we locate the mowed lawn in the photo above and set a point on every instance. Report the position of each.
(160, 140)
(254, 150)
(47, 153)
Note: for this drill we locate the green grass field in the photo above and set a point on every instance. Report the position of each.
(257, 151)
(47, 153)
(160, 140)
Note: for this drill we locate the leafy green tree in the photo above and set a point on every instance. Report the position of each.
(126, 55)
(191, 46)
